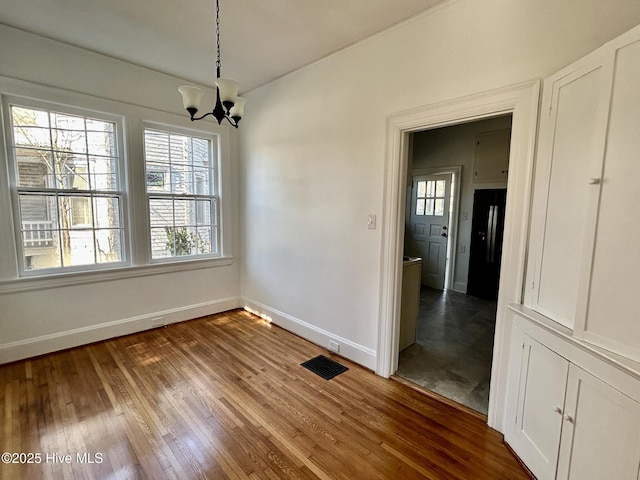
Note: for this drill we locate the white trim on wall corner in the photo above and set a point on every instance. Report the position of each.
(357, 353)
(11, 352)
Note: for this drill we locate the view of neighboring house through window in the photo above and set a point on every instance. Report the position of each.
(68, 187)
(180, 178)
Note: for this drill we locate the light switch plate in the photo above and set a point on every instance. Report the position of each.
(371, 222)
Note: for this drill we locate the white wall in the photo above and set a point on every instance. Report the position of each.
(313, 147)
(451, 146)
(40, 316)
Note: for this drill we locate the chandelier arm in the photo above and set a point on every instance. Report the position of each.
(202, 116)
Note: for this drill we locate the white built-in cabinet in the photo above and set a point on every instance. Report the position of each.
(584, 261)
(565, 422)
(573, 406)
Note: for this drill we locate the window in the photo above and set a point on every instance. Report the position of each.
(180, 178)
(430, 198)
(66, 169)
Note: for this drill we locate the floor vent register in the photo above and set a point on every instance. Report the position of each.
(324, 367)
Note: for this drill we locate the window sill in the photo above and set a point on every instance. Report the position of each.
(28, 284)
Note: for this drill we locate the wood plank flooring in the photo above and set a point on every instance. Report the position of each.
(225, 397)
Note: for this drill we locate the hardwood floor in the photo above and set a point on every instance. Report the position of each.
(225, 397)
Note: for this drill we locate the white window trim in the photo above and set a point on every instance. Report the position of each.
(215, 183)
(139, 254)
(122, 193)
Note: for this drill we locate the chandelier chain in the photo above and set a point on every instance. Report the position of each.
(218, 63)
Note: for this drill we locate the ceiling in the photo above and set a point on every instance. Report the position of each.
(261, 39)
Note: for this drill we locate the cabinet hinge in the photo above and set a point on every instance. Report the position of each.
(523, 345)
(533, 285)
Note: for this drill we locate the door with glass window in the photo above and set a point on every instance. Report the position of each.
(429, 228)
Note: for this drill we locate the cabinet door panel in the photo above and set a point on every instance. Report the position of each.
(540, 401)
(612, 315)
(601, 440)
(571, 149)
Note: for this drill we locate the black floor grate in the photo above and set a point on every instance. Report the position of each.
(324, 367)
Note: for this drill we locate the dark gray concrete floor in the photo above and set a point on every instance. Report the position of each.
(454, 347)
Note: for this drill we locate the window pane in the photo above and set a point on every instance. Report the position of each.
(420, 206)
(202, 181)
(31, 136)
(101, 143)
(109, 245)
(81, 215)
(40, 240)
(156, 146)
(430, 188)
(203, 243)
(214, 239)
(103, 173)
(439, 210)
(94, 125)
(184, 212)
(182, 240)
(41, 248)
(69, 141)
(440, 184)
(35, 168)
(106, 212)
(38, 209)
(65, 164)
(27, 116)
(203, 212)
(179, 177)
(160, 212)
(67, 122)
(429, 207)
(159, 241)
(422, 189)
(201, 148)
(158, 178)
(180, 149)
(77, 247)
(182, 179)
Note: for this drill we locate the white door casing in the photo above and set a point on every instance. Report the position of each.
(521, 100)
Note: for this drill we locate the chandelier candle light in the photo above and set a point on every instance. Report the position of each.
(228, 104)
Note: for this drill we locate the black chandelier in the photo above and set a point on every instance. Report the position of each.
(228, 104)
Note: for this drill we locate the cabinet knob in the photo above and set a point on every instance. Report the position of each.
(558, 410)
(593, 181)
(569, 418)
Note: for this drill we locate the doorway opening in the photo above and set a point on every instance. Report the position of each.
(521, 101)
(454, 221)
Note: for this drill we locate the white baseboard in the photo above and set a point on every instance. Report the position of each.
(460, 287)
(31, 347)
(348, 349)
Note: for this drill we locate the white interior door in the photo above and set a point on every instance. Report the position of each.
(429, 227)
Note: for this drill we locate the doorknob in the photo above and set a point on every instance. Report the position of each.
(569, 418)
(443, 234)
